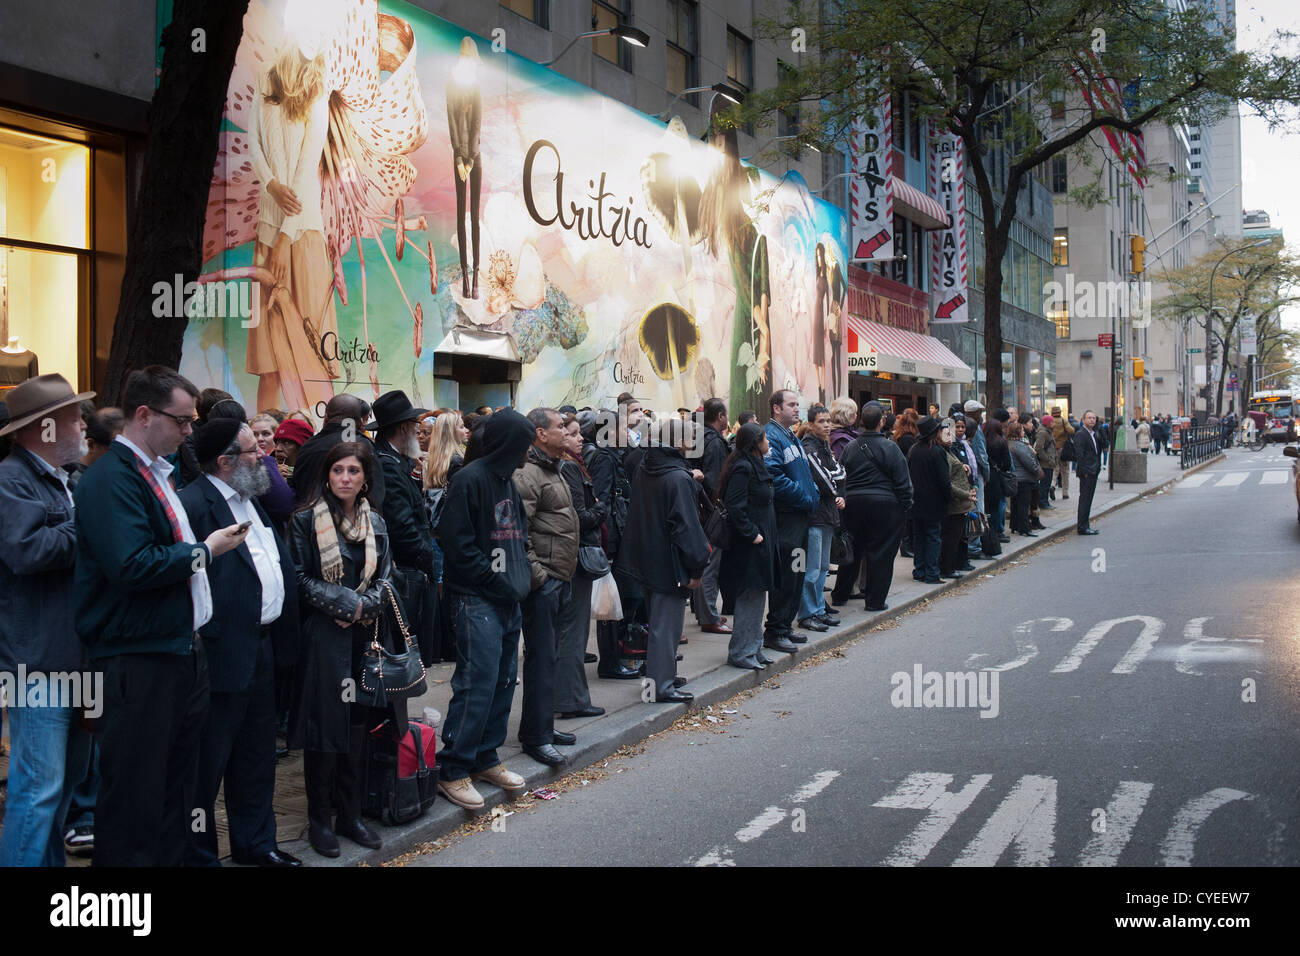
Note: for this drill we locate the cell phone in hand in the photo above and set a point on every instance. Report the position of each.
(241, 528)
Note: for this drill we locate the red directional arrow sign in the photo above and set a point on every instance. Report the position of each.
(867, 247)
(946, 309)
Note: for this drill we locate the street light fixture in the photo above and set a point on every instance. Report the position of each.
(719, 89)
(628, 34)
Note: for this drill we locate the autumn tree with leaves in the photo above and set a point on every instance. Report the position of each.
(1229, 282)
(995, 72)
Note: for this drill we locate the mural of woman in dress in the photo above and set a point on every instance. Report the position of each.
(819, 321)
(835, 290)
(728, 229)
(464, 121)
(288, 126)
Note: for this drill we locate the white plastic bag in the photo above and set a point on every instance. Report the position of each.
(605, 605)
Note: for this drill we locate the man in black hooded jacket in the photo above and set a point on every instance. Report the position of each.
(483, 532)
(665, 549)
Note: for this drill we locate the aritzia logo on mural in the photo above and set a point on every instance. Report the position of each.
(603, 217)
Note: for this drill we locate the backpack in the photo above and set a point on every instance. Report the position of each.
(401, 779)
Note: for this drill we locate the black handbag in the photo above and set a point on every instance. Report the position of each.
(842, 548)
(390, 676)
(593, 561)
(1068, 452)
(716, 526)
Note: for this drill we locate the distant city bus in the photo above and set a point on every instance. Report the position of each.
(1279, 406)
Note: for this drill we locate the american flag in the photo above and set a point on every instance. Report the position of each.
(1102, 93)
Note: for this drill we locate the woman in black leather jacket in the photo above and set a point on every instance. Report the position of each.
(341, 550)
(749, 567)
(572, 697)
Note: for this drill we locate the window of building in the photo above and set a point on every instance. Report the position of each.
(740, 65)
(44, 212)
(899, 267)
(1061, 248)
(900, 122)
(682, 47)
(536, 10)
(914, 135)
(787, 121)
(605, 15)
(1060, 316)
(1058, 105)
(919, 270)
(1060, 181)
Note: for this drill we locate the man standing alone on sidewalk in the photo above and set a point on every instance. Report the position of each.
(794, 496)
(1087, 449)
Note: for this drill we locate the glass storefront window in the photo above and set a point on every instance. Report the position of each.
(38, 306)
(43, 190)
(44, 231)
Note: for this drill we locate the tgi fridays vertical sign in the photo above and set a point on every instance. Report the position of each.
(947, 183)
(872, 206)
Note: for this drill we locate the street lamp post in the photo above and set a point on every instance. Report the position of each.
(627, 34)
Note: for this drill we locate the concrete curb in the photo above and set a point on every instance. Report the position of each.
(601, 739)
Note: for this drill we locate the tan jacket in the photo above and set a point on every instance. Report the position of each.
(552, 519)
(1061, 431)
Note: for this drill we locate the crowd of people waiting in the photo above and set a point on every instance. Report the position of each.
(226, 574)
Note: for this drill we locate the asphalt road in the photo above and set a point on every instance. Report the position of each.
(1144, 714)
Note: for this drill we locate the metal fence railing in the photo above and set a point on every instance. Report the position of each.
(1199, 443)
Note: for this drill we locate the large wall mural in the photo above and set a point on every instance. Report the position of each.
(385, 177)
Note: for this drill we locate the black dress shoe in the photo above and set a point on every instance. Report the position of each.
(794, 637)
(272, 858)
(780, 644)
(323, 840)
(546, 754)
(619, 673)
(829, 611)
(882, 607)
(813, 624)
(828, 620)
(676, 697)
(561, 739)
(1004, 538)
(758, 656)
(966, 567)
(1029, 534)
(357, 831)
(1089, 531)
(589, 658)
(955, 575)
(590, 711)
(747, 667)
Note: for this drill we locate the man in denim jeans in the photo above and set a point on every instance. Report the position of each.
(483, 534)
(38, 549)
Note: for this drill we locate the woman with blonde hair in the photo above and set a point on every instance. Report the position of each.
(844, 416)
(446, 450)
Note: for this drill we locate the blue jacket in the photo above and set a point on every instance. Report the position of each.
(233, 637)
(976, 438)
(793, 488)
(38, 548)
(132, 584)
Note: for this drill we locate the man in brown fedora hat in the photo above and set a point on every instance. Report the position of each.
(38, 639)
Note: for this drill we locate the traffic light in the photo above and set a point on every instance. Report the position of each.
(1212, 351)
(1137, 245)
(1139, 368)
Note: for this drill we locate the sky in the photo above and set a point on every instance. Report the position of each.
(1268, 159)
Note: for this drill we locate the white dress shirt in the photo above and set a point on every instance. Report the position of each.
(200, 589)
(262, 546)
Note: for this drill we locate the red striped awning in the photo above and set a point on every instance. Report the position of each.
(883, 348)
(918, 207)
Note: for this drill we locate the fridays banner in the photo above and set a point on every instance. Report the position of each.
(871, 203)
(385, 178)
(947, 184)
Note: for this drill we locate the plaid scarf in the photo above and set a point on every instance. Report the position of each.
(158, 492)
(327, 541)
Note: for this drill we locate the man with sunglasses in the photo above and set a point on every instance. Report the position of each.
(142, 594)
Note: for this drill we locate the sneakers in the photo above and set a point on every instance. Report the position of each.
(462, 793)
(79, 841)
(501, 777)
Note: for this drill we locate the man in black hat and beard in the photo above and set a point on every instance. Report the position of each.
(253, 630)
(397, 452)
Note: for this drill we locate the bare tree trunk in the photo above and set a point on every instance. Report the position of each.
(995, 246)
(165, 235)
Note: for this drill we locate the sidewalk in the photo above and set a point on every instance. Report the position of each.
(628, 720)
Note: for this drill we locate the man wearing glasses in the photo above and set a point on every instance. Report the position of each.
(251, 633)
(142, 594)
